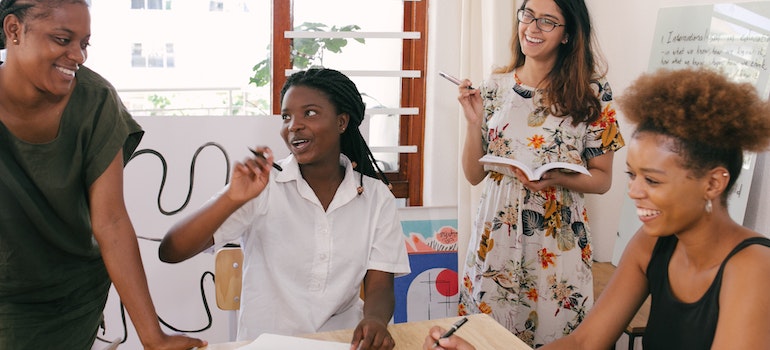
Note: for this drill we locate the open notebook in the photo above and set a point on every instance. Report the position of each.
(268, 341)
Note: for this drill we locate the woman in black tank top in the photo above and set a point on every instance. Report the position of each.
(708, 275)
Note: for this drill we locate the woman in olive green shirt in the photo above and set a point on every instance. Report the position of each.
(65, 234)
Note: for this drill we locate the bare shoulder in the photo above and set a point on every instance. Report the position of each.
(743, 302)
(750, 262)
(639, 250)
(745, 274)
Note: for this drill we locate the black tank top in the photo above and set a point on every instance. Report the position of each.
(676, 325)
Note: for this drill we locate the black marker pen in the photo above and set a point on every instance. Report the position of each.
(259, 154)
(452, 330)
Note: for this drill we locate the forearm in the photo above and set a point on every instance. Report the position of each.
(120, 252)
(566, 343)
(195, 233)
(379, 305)
(472, 151)
(379, 301)
(599, 182)
(379, 297)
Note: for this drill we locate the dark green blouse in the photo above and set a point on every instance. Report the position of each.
(53, 282)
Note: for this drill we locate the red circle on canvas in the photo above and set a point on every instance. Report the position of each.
(446, 283)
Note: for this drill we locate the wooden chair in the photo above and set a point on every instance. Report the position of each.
(228, 272)
(602, 271)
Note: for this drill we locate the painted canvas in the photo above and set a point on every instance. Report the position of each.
(430, 290)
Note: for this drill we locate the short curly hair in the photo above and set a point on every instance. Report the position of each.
(710, 119)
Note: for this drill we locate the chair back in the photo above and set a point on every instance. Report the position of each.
(228, 274)
(228, 277)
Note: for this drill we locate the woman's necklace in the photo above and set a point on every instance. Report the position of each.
(540, 112)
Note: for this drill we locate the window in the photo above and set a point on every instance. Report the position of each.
(403, 73)
(137, 59)
(150, 4)
(158, 56)
(216, 6)
(169, 55)
(173, 64)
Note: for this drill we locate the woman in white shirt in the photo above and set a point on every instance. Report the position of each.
(313, 231)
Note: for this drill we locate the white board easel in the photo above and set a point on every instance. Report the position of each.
(733, 38)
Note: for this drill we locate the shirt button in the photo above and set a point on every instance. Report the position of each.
(324, 257)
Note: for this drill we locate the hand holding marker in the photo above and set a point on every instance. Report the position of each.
(453, 79)
(260, 155)
(452, 330)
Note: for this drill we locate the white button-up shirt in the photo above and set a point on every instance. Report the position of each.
(303, 266)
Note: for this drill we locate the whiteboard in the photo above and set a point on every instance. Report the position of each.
(732, 38)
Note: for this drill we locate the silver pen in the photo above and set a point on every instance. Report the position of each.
(453, 79)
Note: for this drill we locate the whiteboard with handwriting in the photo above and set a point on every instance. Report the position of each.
(732, 38)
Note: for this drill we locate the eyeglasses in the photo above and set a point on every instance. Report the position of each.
(542, 23)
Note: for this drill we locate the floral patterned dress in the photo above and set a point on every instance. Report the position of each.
(529, 257)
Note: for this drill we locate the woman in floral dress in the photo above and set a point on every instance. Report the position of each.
(530, 254)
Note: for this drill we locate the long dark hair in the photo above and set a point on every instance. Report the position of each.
(344, 95)
(578, 63)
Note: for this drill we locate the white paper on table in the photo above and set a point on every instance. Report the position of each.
(268, 341)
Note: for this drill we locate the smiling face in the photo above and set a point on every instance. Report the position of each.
(535, 43)
(49, 49)
(668, 198)
(311, 126)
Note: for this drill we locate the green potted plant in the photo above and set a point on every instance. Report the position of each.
(306, 52)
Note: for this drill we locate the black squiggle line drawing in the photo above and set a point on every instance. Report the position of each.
(192, 173)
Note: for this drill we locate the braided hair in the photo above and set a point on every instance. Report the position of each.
(344, 95)
(21, 10)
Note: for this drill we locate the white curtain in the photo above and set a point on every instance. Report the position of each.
(758, 207)
(485, 43)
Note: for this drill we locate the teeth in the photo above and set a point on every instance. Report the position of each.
(646, 212)
(66, 71)
(529, 38)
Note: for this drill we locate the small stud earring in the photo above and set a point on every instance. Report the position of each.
(725, 174)
(15, 41)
